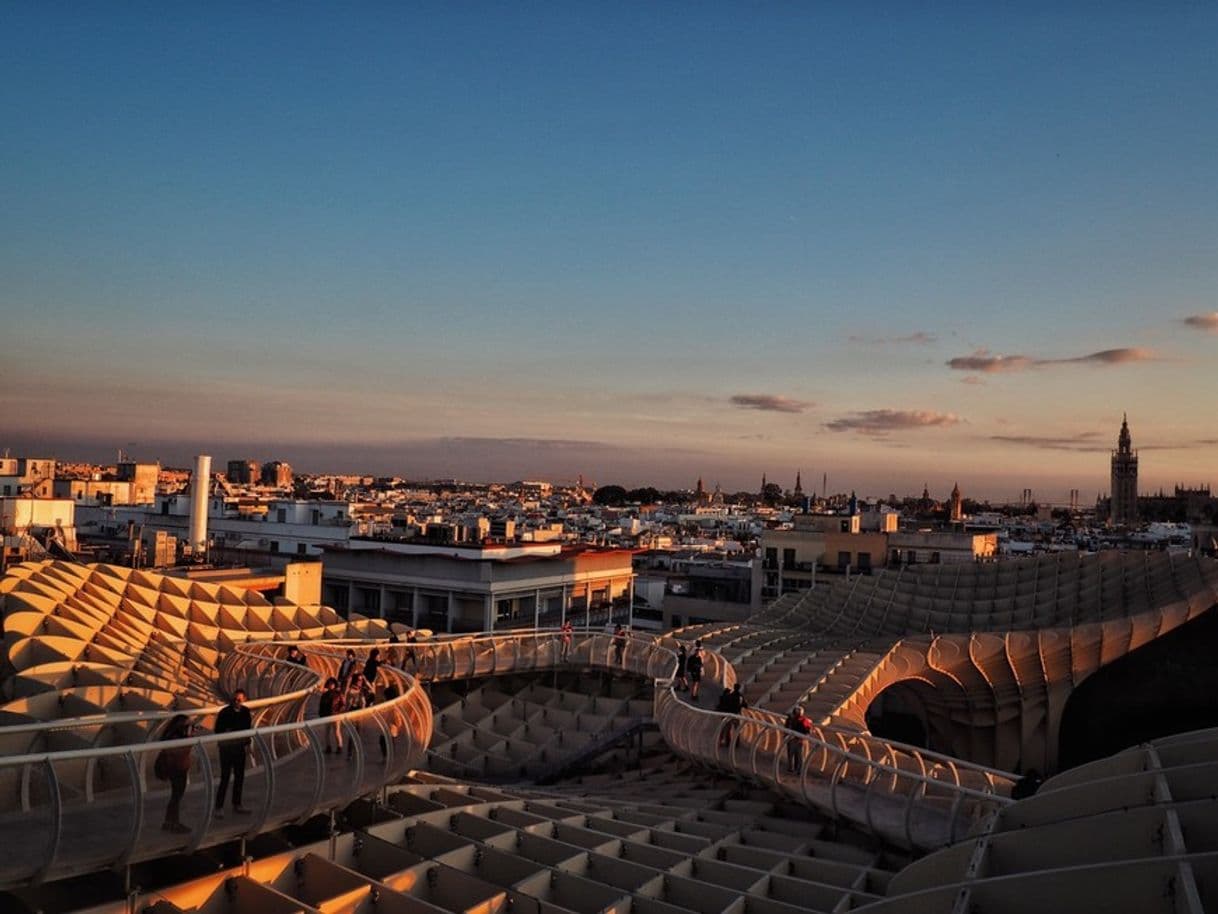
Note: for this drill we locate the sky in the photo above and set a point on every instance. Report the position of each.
(642, 242)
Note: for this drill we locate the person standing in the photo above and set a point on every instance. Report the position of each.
(682, 660)
(346, 668)
(568, 631)
(355, 698)
(372, 666)
(173, 765)
(693, 666)
(233, 718)
(619, 645)
(799, 723)
(331, 703)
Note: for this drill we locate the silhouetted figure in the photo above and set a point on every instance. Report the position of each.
(173, 765)
(682, 660)
(233, 718)
(1027, 785)
(693, 666)
(619, 645)
(372, 666)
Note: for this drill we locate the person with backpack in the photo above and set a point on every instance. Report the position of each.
(173, 765)
(331, 703)
(800, 724)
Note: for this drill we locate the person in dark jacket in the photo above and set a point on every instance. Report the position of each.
(619, 645)
(296, 655)
(693, 666)
(682, 659)
(175, 763)
(372, 666)
(233, 718)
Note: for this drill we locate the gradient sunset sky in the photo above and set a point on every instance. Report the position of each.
(643, 242)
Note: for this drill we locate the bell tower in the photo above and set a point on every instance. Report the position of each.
(1124, 505)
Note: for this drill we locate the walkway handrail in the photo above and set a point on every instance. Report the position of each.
(902, 794)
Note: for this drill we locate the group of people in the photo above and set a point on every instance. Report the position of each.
(172, 764)
(690, 665)
(352, 689)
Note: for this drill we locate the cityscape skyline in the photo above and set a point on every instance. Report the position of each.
(642, 246)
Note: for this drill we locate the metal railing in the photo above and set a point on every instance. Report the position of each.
(80, 810)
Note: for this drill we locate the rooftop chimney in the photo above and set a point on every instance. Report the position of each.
(198, 505)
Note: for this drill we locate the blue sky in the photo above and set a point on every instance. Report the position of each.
(425, 238)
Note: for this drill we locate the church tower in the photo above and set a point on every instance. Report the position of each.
(957, 505)
(799, 486)
(1124, 506)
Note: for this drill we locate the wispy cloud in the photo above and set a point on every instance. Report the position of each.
(920, 338)
(770, 403)
(972, 379)
(982, 360)
(884, 421)
(1202, 321)
(1094, 443)
(1089, 442)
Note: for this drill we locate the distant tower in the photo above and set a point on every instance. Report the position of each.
(799, 487)
(957, 503)
(700, 491)
(1124, 509)
(763, 483)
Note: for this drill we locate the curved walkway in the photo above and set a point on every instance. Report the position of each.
(96, 804)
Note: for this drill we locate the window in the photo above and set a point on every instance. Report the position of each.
(316, 517)
(301, 549)
(274, 545)
(865, 562)
(771, 557)
(281, 515)
(788, 558)
(935, 558)
(843, 560)
(911, 557)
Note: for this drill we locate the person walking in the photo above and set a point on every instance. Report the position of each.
(693, 666)
(173, 765)
(682, 660)
(331, 703)
(800, 724)
(619, 645)
(233, 718)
